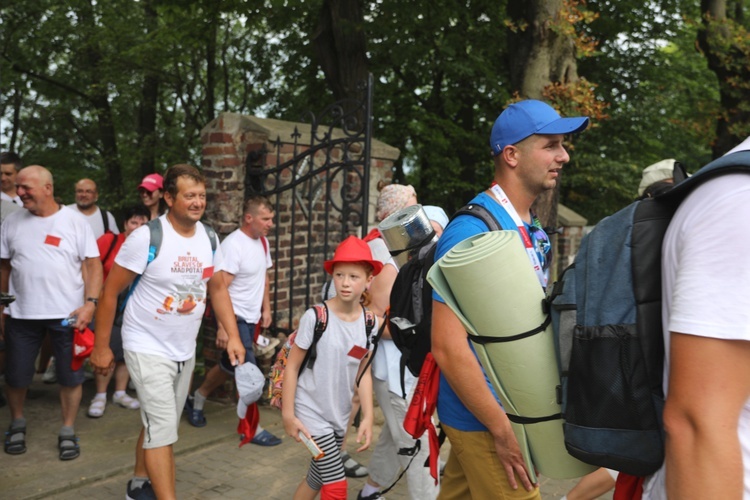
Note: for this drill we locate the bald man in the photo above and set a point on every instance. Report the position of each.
(100, 220)
(43, 253)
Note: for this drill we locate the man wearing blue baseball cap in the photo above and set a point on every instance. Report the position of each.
(485, 459)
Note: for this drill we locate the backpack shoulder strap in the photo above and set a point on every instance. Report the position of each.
(321, 323)
(369, 325)
(155, 238)
(156, 235)
(481, 213)
(264, 241)
(105, 219)
(211, 237)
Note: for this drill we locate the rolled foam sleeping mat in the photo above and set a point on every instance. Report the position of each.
(488, 282)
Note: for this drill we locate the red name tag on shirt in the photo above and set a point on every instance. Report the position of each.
(358, 352)
(52, 240)
(208, 272)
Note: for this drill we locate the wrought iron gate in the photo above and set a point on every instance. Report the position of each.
(320, 194)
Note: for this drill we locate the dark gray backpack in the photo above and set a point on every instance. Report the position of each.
(606, 315)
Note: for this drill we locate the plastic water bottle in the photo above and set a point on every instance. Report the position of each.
(70, 321)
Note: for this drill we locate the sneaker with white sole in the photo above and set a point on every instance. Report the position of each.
(50, 375)
(126, 401)
(97, 407)
(374, 496)
(143, 492)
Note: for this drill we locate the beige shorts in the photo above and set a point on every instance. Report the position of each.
(162, 386)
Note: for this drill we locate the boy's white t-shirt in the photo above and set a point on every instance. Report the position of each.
(46, 255)
(247, 260)
(95, 220)
(324, 394)
(704, 290)
(164, 312)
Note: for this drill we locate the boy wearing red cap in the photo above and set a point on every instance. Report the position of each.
(318, 402)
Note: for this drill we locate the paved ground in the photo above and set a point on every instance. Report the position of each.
(209, 462)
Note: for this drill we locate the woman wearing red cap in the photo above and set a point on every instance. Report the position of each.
(318, 402)
(151, 191)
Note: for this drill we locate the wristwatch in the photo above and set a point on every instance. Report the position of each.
(92, 299)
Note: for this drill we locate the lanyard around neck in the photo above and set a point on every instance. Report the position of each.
(502, 198)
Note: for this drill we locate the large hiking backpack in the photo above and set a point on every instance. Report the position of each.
(606, 315)
(276, 374)
(410, 316)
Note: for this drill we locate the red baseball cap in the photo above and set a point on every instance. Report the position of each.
(353, 249)
(152, 182)
(83, 344)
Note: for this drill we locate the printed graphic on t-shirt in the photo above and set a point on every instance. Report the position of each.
(189, 286)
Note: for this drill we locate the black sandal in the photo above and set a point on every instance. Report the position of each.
(17, 446)
(68, 451)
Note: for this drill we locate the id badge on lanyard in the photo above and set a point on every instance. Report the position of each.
(499, 194)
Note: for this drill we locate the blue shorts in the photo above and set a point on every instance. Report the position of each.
(23, 339)
(247, 332)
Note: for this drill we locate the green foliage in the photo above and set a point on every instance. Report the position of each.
(442, 77)
(663, 104)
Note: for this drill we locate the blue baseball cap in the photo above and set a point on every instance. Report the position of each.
(525, 118)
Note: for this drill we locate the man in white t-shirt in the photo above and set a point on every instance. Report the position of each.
(162, 316)
(10, 164)
(87, 195)
(49, 257)
(706, 319)
(246, 261)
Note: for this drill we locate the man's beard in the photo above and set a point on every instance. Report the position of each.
(86, 206)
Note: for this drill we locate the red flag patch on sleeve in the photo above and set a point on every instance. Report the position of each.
(208, 272)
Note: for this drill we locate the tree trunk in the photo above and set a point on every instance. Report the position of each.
(340, 46)
(726, 52)
(99, 99)
(147, 111)
(540, 56)
(211, 63)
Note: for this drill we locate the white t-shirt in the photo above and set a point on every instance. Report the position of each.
(247, 260)
(705, 275)
(13, 199)
(324, 393)
(97, 224)
(164, 312)
(46, 254)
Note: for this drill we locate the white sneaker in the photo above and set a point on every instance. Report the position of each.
(126, 402)
(97, 407)
(50, 375)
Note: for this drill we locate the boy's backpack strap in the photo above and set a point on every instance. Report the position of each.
(369, 325)
(321, 323)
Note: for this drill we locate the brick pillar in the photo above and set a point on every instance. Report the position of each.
(227, 141)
